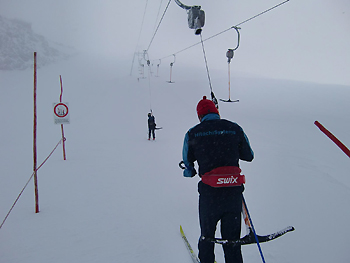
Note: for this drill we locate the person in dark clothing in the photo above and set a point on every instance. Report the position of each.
(217, 145)
(151, 126)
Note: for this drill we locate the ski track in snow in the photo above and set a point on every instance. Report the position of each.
(121, 198)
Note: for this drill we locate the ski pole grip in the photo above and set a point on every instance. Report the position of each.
(182, 165)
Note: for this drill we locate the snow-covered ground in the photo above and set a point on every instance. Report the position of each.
(121, 198)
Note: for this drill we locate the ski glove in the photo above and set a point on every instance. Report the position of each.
(189, 171)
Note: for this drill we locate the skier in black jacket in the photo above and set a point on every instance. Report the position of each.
(151, 126)
(217, 145)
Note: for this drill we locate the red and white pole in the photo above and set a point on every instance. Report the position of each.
(333, 138)
(62, 130)
(34, 143)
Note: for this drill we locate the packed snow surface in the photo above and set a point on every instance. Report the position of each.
(121, 198)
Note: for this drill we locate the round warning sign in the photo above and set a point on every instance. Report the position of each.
(61, 110)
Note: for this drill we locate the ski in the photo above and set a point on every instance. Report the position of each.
(249, 238)
(188, 246)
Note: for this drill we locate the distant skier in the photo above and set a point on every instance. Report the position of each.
(217, 145)
(151, 126)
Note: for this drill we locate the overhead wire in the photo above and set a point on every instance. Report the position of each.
(241, 23)
(206, 65)
(138, 39)
(143, 20)
(155, 22)
(166, 8)
(149, 82)
(201, 42)
(160, 5)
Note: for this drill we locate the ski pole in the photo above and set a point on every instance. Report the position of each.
(251, 223)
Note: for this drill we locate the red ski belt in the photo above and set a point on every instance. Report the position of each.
(225, 176)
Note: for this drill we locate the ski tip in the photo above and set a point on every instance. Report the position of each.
(181, 231)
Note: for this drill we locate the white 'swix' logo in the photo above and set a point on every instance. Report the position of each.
(230, 180)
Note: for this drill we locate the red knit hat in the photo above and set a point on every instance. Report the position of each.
(206, 106)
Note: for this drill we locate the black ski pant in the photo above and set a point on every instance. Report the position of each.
(150, 130)
(224, 205)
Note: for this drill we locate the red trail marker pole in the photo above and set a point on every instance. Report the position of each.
(62, 130)
(34, 143)
(333, 138)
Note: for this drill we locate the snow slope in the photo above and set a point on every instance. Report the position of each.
(120, 198)
(18, 42)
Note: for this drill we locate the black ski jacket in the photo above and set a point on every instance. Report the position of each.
(214, 143)
(151, 123)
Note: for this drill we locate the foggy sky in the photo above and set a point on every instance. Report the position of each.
(304, 40)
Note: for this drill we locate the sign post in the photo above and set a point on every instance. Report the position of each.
(34, 143)
(61, 113)
(61, 116)
(62, 130)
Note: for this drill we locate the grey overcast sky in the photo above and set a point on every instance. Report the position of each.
(305, 40)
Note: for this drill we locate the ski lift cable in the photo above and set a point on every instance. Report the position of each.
(213, 98)
(138, 39)
(267, 10)
(143, 20)
(232, 27)
(206, 64)
(196, 20)
(160, 5)
(166, 8)
(146, 58)
(149, 86)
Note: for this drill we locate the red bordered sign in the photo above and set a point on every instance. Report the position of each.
(61, 113)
